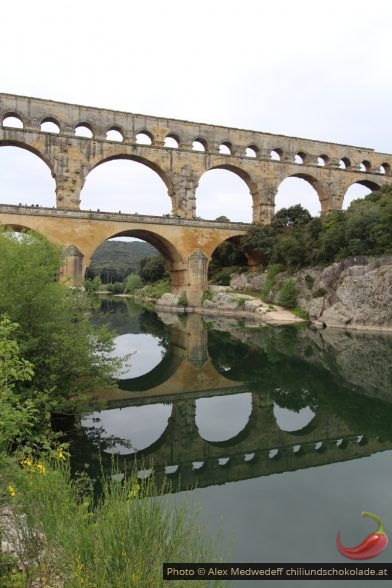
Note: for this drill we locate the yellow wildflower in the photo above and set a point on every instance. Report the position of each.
(41, 468)
(11, 490)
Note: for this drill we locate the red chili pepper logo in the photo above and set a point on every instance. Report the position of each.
(370, 547)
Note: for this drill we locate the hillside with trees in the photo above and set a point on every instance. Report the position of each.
(113, 261)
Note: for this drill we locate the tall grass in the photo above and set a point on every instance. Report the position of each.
(121, 541)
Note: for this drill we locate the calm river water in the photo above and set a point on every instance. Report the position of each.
(286, 432)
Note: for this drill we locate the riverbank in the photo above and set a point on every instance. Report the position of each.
(224, 302)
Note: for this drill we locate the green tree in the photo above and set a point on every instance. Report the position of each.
(261, 239)
(293, 216)
(23, 421)
(132, 283)
(153, 268)
(69, 355)
(287, 295)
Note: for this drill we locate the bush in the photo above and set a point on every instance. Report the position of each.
(287, 295)
(272, 272)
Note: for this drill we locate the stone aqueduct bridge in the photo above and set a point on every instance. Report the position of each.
(186, 244)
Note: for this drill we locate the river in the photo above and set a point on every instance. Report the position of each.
(282, 435)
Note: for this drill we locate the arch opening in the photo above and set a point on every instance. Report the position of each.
(171, 142)
(84, 130)
(322, 160)
(49, 125)
(356, 191)
(225, 148)
(199, 145)
(114, 135)
(251, 151)
(365, 166)
(344, 163)
(276, 154)
(299, 189)
(213, 427)
(25, 178)
(224, 191)
(290, 421)
(143, 138)
(124, 431)
(385, 168)
(126, 185)
(228, 255)
(12, 122)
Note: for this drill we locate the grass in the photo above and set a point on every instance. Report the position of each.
(120, 540)
(300, 313)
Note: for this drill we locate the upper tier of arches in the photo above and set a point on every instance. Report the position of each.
(119, 127)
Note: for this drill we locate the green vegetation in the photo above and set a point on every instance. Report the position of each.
(50, 357)
(287, 295)
(154, 290)
(295, 240)
(272, 272)
(68, 356)
(121, 540)
(183, 300)
(133, 282)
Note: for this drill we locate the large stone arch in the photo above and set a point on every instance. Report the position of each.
(250, 182)
(45, 157)
(319, 187)
(175, 262)
(162, 173)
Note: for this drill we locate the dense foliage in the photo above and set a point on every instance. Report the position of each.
(48, 325)
(295, 240)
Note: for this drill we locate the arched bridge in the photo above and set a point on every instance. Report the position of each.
(180, 152)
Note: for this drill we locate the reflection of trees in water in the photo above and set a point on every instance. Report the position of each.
(125, 316)
(300, 372)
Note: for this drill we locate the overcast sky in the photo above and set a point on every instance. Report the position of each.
(319, 70)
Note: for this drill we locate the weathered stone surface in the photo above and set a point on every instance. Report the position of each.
(71, 157)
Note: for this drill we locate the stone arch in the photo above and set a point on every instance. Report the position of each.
(249, 182)
(13, 114)
(27, 147)
(143, 160)
(316, 185)
(53, 121)
(353, 191)
(17, 192)
(175, 262)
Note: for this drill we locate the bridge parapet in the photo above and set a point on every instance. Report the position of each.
(262, 160)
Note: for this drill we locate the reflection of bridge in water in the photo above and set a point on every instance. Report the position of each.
(260, 448)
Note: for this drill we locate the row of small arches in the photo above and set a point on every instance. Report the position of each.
(273, 454)
(49, 125)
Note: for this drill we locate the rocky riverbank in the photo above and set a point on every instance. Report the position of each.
(354, 293)
(222, 301)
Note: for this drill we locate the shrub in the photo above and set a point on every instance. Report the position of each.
(272, 272)
(287, 295)
(183, 300)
